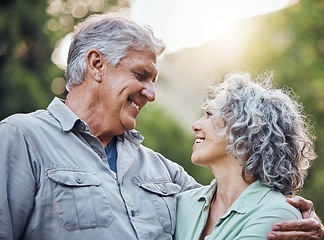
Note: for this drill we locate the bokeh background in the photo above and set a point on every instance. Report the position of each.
(34, 35)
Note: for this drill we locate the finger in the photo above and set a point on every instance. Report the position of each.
(307, 225)
(305, 206)
(301, 203)
(292, 236)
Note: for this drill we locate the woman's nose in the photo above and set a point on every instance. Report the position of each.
(196, 126)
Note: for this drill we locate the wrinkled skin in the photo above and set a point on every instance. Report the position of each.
(308, 228)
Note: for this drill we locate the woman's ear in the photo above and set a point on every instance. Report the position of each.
(95, 64)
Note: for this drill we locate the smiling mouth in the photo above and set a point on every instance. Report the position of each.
(199, 140)
(135, 106)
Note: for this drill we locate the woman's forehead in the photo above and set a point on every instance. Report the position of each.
(218, 101)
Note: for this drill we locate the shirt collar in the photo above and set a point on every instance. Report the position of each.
(68, 119)
(134, 137)
(64, 115)
(208, 193)
(252, 195)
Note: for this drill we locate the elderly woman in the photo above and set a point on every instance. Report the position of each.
(256, 141)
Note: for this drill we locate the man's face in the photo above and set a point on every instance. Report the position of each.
(126, 88)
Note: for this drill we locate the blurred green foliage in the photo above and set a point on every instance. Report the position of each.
(26, 69)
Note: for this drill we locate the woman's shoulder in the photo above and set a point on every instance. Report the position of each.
(262, 199)
(275, 201)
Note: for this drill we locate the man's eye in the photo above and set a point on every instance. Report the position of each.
(139, 76)
(143, 77)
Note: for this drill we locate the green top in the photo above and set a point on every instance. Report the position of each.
(251, 216)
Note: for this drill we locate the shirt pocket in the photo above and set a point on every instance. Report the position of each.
(79, 199)
(162, 195)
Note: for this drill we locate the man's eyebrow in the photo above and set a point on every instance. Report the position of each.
(146, 71)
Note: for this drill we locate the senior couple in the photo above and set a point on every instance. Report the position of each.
(78, 170)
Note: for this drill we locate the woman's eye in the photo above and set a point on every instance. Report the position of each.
(209, 114)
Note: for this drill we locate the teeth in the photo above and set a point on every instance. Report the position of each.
(199, 140)
(135, 106)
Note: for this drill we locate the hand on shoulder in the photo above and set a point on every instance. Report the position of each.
(308, 228)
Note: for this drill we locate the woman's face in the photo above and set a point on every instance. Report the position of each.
(210, 142)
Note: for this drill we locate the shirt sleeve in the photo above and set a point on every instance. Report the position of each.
(17, 181)
(260, 226)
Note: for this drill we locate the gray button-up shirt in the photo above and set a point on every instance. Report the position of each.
(55, 182)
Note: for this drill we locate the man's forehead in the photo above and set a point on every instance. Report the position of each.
(145, 55)
(144, 59)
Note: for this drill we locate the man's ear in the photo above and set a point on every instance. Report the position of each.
(95, 64)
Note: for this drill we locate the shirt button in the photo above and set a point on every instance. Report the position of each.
(133, 213)
(163, 190)
(98, 153)
(82, 126)
(79, 180)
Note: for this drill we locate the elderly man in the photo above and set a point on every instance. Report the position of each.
(77, 170)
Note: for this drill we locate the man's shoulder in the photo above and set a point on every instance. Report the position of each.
(22, 119)
(25, 122)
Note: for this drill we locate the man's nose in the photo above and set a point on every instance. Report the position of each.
(149, 92)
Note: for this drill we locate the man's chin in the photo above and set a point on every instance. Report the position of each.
(130, 126)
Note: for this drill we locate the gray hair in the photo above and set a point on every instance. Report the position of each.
(268, 132)
(113, 35)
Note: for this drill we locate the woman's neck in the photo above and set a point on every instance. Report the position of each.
(230, 185)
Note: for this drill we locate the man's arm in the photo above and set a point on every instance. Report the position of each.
(308, 228)
(17, 182)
